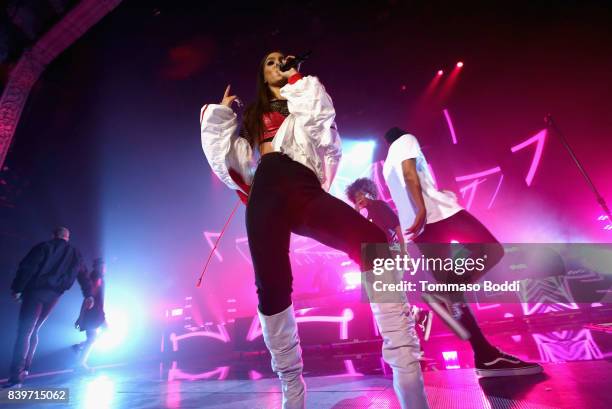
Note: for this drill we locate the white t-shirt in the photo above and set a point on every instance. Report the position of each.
(438, 204)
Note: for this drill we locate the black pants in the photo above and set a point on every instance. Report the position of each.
(435, 242)
(478, 240)
(35, 308)
(286, 197)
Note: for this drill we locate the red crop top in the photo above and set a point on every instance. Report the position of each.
(272, 121)
(278, 112)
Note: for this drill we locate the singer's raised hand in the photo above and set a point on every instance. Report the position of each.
(227, 98)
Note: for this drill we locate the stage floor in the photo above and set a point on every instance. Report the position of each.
(571, 385)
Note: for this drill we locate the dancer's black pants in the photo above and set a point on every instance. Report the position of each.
(286, 197)
(35, 308)
(435, 242)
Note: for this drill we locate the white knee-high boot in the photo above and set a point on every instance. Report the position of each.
(401, 351)
(401, 348)
(281, 338)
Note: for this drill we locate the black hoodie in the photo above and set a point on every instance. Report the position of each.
(52, 265)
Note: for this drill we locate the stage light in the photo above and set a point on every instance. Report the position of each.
(176, 312)
(99, 393)
(254, 375)
(460, 64)
(451, 359)
(352, 279)
(440, 72)
(356, 161)
(115, 333)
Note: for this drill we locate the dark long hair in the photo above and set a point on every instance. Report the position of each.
(252, 120)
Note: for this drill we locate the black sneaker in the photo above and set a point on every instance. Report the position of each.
(422, 319)
(442, 306)
(506, 365)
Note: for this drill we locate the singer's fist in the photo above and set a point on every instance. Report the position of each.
(227, 98)
(287, 74)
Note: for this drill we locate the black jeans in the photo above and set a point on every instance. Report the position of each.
(469, 232)
(35, 308)
(478, 240)
(286, 197)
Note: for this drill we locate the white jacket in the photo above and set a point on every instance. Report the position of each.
(308, 135)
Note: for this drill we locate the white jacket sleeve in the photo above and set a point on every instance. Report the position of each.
(314, 112)
(222, 146)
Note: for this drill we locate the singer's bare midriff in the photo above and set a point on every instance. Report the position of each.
(265, 147)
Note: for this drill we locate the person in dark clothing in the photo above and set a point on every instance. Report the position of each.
(91, 319)
(363, 193)
(46, 272)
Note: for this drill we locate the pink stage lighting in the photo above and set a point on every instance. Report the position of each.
(605, 219)
(538, 139)
(451, 128)
(352, 279)
(451, 359)
(176, 312)
(460, 64)
(440, 72)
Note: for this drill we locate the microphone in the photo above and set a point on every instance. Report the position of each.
(295, 62)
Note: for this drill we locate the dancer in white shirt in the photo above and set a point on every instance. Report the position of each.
(434, 218)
